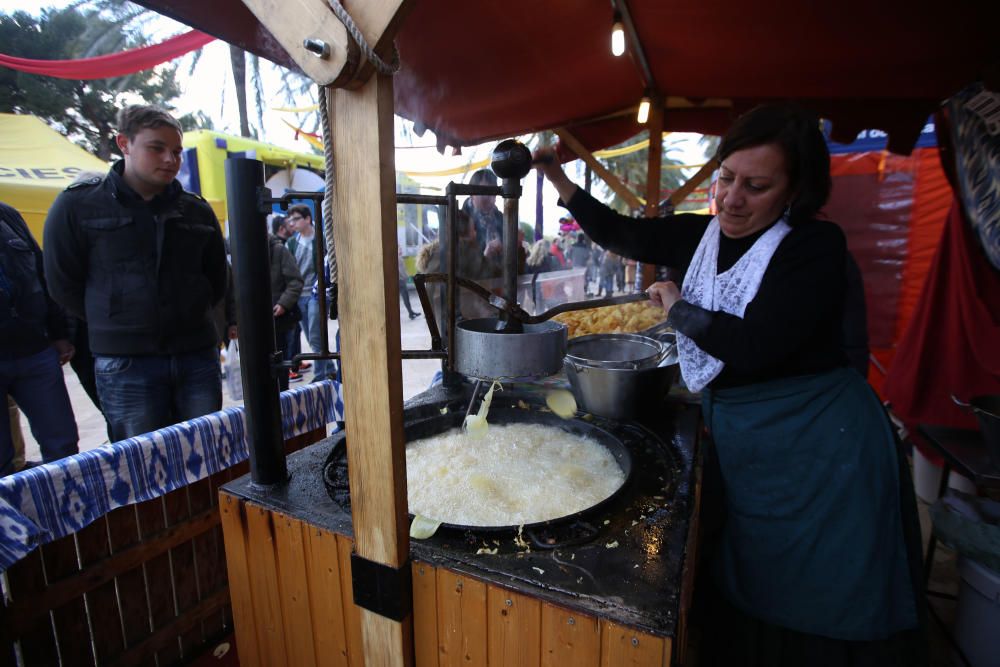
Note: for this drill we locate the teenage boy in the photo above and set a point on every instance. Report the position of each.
(143, 262)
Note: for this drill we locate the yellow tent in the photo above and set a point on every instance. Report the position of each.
(36, 164)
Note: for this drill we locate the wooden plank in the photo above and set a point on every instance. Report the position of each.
(209, 554)
(365, 236)
(293, 584)
(326, 602)
(240, 593)
(514, 628)
(37, 643)
(158, 571)
(69, 619)
(569, 638)
(263, 566)
(183, 567)
(461, 620)
(292, 21)
(625, 647)
(681, 193)
(130, 582)
(572, 143)
(103, 613)
(654, 162)
(425, 628)
(352, 614)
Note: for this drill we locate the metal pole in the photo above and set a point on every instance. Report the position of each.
(251, 259)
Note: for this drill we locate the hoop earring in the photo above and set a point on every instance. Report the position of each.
(788, 211)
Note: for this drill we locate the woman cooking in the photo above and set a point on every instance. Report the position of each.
(818, 561)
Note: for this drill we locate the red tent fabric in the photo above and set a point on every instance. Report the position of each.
(951, 345)
(114, 64)
(474, 71)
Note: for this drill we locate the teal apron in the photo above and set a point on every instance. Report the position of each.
(813, 539)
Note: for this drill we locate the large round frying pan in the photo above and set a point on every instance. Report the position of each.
(430, 422)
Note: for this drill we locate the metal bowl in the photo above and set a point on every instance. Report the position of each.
(615, 351)
(483, 352)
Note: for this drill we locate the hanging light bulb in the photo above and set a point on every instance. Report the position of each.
(643, 114)
(617, 36)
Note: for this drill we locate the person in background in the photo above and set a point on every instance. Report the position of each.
(540, 259)
(483, 210)
(34, 343)
(143, 262)
(404, 289)
(286, 288)
(557, 252)
(819, 557)
(301, 247)
(280, 228)
(609, 268)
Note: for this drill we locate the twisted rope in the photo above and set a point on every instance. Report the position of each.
(331, 182)
(380, 65)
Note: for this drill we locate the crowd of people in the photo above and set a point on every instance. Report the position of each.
(135, 291)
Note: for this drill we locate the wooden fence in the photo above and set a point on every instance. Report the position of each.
(146, 584)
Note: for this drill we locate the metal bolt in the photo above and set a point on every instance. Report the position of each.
(635, 641)
(317, 47)
(509, 602)
(571, 621)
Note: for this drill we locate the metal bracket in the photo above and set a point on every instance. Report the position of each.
(384, 590)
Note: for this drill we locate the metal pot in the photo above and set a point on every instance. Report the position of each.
(625, 389)
(987, 411)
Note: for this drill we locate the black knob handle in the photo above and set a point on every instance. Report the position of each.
(511, 159)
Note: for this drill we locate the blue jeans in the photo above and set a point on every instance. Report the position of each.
(309, 305)
(36, 385)
(143, 394)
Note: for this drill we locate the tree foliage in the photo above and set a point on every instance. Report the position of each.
(83, 110)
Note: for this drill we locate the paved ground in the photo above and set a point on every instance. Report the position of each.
(417, 376)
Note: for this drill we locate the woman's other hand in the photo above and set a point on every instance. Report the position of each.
(664, 294)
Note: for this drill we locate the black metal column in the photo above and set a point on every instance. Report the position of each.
(251, 269)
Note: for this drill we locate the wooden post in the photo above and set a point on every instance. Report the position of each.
(682, 192)
(653, 168)
(572, 143)
(364, 223)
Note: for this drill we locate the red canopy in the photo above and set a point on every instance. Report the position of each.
(479, 70)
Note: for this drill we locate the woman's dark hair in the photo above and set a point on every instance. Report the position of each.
(796, 132)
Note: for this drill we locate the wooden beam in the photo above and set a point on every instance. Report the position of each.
(294, 21)
(572, 143)
(364, 223)
(654, 166)
(682, 192)
(379, 21)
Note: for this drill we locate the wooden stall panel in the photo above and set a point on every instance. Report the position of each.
(352, 613)
(569, 638)
(625, 647)
(236, 537)
(461, 620)
(514, 627)
(262, 562)
(326, 602)
(425, 628)
(70, 619)
(293, 585)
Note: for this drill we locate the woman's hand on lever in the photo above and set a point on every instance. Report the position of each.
(546, 160)
(664, 294)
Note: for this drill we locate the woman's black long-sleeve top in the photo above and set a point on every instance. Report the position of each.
(791, 327)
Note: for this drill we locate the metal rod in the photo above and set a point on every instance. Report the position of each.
(451, 257)
(409, 198)
(510, 248)
(469, 189)
(248, 230)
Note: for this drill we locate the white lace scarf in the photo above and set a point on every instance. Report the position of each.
(729, 292)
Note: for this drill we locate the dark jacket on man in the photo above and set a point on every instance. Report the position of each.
(286, 283)
(144, 275)
(29, 318)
